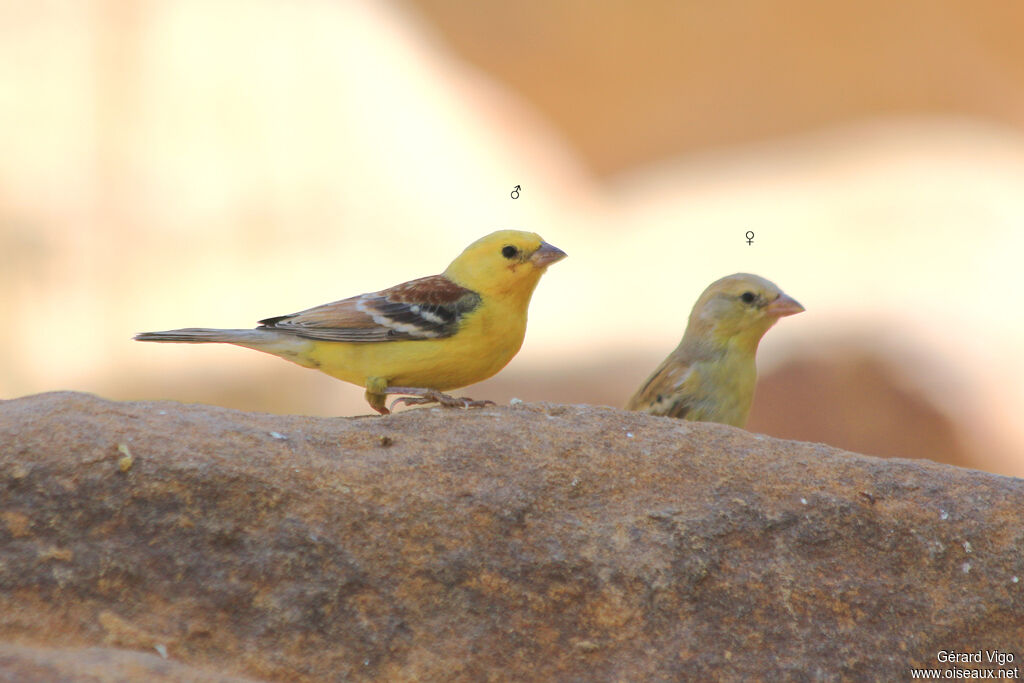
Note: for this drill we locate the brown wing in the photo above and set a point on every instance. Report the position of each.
(428, 308)
(666, 392)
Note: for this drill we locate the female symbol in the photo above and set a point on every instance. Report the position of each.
(750, 237)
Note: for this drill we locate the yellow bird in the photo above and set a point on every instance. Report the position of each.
(711, 375)
(418, 338)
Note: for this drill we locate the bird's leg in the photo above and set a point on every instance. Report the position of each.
(377, 395)
(420, 396)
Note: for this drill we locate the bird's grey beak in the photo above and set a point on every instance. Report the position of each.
(784, 305)
(546, 255)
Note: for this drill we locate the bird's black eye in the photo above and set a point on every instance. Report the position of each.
(748, 297)
(508, 251)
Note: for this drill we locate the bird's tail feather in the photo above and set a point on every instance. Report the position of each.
(267, 340)
(204, 335)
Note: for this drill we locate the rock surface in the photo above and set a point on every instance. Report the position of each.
(532, 542)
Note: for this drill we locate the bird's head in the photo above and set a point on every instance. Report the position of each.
(504, 263)
(739, 309)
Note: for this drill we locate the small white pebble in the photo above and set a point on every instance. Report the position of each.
(629, 435)
(515, 401)
(965, 567)
(804, 501)
(576, 482)
(943, 514)
(278, 435)
(162, 649)
(366, 662)
(161, 412)
(967, 546)
(1016, 579)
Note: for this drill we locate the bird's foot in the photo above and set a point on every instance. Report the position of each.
(420, 396)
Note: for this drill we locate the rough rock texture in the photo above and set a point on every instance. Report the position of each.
(533, 542)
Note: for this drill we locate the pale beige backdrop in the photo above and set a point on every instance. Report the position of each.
(192, 163)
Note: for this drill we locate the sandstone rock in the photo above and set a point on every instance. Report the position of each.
(533, 542)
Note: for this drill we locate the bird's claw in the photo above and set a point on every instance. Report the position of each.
(469, 403)
(433, 396)
(409, 401)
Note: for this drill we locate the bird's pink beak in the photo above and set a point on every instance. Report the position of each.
(546, 255)
(784, 305)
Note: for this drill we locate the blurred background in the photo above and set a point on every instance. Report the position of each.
(181, 163)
